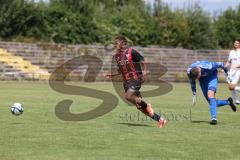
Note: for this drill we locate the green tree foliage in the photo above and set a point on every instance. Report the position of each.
(99, 21)
(173, 26)
(20, 18)
(227, 27)
(200, 29)
(188, 29)
(66, 25)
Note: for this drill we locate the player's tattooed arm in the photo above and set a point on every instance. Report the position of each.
(111, 75)
(115, 71)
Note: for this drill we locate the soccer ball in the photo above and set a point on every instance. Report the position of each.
(16, 109)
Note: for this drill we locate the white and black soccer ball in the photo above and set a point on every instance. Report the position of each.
(16, 109)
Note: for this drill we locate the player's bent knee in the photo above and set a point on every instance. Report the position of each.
(211, 94)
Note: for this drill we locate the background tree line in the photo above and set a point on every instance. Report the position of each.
(99, 21)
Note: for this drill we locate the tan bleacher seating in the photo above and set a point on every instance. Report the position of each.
(22, 67)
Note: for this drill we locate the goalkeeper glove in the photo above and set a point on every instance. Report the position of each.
(194, 99)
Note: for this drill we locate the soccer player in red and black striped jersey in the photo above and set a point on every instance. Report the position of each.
(132, 67)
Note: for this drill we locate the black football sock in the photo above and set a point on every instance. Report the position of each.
(143, 104)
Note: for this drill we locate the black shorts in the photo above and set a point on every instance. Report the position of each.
(134, 86)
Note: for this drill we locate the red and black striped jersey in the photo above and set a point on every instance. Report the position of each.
(129, 64)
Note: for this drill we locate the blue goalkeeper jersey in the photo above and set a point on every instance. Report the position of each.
(207, 69)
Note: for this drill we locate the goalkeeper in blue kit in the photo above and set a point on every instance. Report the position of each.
(207, 74)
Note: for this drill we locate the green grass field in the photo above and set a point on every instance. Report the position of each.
(119, 135)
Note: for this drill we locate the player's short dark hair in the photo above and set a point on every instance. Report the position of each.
(238, 39)
(193, 74)
(121, 39)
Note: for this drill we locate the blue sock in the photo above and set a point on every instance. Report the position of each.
(222, 103)
(213, 107)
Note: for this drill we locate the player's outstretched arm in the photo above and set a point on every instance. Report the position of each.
(222, 66)
(109, 76)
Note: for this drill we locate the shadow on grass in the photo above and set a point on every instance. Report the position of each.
(208, 122)
(135, 125)
(200, 122)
